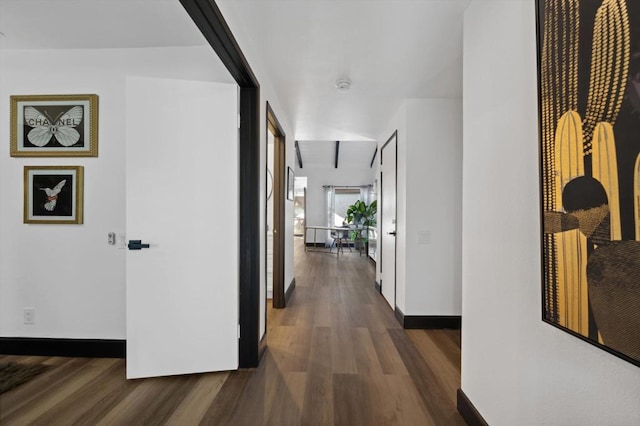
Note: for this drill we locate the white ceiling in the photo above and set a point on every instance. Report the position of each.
(95, 24)
(389, 49)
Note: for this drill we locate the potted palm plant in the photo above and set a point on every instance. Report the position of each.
(362, 216)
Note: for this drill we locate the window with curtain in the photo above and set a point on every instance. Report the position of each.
(344, 197)
(339, 198)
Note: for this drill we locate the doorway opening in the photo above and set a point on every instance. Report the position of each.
(299, 206)
(275, 214)
(209, 20)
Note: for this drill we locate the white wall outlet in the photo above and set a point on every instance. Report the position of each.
(29, 315)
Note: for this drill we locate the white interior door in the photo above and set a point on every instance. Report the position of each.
(182, 200)
(270, 223)
(388, 178)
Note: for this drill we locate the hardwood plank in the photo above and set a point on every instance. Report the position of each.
(426, 381)
(387, 353)
(446, 345)
(448, 367)
(322, 317)
(343, 356)
(197, 401)
(268, 397)
(286, 406)
(225, 404)
(352, 400)
(318, 402)
(279, 341)
(365, 352)
(401, 404)
(85, 403)
(19, 401)
(358, 315)
(37, 407)
(152, 402)
(455, 336)
(11, 358)
(36, 359)
(299, 346)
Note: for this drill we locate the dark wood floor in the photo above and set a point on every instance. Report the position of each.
(336, 355)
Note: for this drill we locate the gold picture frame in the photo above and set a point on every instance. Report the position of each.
(53, 194)
(54, 125)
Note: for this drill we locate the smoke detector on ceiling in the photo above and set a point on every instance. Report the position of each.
(343, 85)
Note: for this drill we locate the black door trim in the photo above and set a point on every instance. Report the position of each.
(43, 346)
(209, 19)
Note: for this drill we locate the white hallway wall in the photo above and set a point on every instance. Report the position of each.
(515, 368)
(429, 203)
(68, 273)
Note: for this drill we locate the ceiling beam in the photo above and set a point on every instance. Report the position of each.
(298, 155)
(337, 152)
(374, 157)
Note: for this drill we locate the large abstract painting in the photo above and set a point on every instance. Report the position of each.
(589, 85)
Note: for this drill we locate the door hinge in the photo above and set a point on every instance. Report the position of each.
(238, 331)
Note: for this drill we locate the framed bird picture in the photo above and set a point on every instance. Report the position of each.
(53, 194)
(54, 126)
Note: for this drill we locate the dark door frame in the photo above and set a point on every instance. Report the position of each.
(279, 195)
(209, 19)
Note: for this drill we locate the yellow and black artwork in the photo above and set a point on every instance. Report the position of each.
(589, 85)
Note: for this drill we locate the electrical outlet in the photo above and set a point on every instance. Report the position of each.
(29, 315)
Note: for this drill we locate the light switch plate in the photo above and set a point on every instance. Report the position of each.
(29, 315)
(424, 237)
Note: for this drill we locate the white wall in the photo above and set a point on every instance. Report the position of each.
(319, 176)
(429, 203)
(515, 368)
(434, 207)
(68, 272)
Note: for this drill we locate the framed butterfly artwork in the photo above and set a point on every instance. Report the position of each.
(54, 126)
(53, 194)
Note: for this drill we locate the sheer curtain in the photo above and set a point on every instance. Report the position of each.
(365, 193)
(330, 209)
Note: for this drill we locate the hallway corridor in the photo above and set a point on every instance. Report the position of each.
(335, 356)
